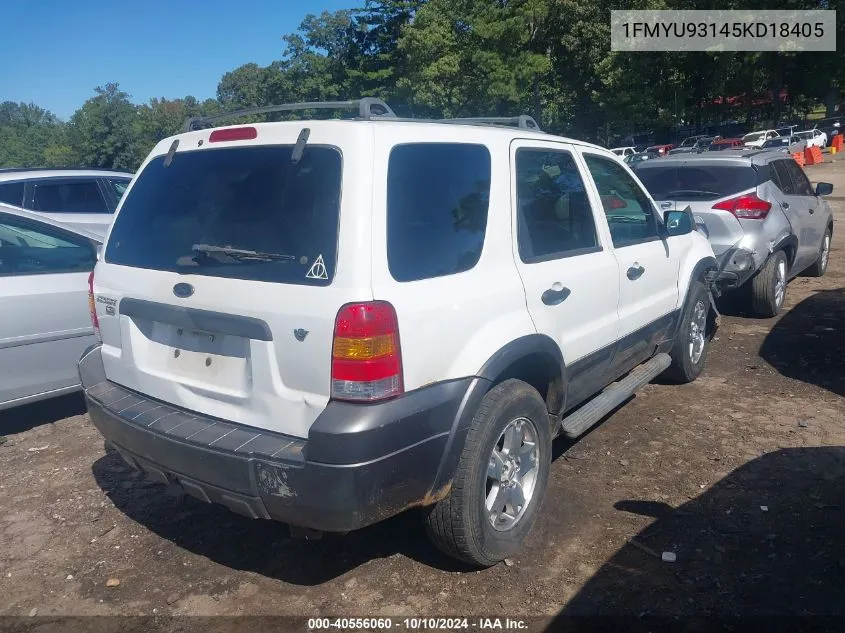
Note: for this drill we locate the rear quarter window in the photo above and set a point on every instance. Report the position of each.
(243, 212)
(696, 182)
(437, 200)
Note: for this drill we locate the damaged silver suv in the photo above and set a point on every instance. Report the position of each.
(765, 221)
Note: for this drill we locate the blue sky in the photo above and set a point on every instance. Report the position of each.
(54, 52)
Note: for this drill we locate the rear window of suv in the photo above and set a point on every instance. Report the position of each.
(244, 213)
(437, 198)
(696, 182)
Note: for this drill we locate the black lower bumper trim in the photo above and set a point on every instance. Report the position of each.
(262, 474)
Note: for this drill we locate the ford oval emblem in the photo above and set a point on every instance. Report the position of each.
(183, 290)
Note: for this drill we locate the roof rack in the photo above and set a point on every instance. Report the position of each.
(522, 121)
(368, 108)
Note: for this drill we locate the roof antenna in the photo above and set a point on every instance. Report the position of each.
(169, 158)
(299, 148)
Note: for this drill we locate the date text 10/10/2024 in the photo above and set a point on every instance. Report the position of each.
(417, 624)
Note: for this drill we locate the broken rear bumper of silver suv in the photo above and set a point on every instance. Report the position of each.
(736, 266)
(360, 464)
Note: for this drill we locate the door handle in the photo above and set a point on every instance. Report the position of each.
(812, 210)
(552, 297)
(635, 272)
(785, 205)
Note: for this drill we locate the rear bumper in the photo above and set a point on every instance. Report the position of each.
(736, 266)
(360, 464)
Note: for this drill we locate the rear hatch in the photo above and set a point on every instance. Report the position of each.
(219, 285)
(701, 186)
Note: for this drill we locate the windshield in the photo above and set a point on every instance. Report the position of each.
(246, 213)
(688, 142)
(776, 142)
(804, 135)
(695, 182)
(754, 136)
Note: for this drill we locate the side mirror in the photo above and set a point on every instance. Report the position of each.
(678, 222)
(824, 189)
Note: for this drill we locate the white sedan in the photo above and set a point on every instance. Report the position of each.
(624, 152)
(757, 139)
(45, 322)
(813, 138)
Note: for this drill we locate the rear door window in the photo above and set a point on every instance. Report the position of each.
(12, 193)
(799, 178)
(696, 182)
(244, 213)
(68, 196)
(437, 199)
(784, 179)
(555, 218)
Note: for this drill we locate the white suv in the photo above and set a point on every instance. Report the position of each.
(328, 322)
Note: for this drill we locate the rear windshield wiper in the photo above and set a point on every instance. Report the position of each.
(241, 254)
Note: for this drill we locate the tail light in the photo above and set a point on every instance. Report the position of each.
(366, 359)
(92, 306)
(746, 207)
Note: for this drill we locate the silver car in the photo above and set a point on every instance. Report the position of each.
(81, 198)
(764, 220)
(45, 321)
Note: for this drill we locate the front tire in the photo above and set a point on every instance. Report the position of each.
(768, 287)
(689, 352)
(819, 267)
(500, 479)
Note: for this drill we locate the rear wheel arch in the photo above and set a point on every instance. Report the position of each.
(535, 359)
(789, 245)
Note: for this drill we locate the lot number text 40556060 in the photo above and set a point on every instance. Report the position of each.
(417, 624)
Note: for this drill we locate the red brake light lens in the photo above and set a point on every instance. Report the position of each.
(92, 306)
(233, 134)
(746, 207)
(366, 358)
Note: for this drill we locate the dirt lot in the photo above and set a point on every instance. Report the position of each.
(741, 475)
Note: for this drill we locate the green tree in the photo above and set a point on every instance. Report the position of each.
(162, 117)
(465, 57)
(101, 131)
(32, 137)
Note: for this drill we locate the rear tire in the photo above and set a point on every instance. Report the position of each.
(689, 352)
(819, 267)
(498, 458)
(768, 287)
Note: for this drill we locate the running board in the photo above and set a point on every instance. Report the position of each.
(613, 395)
